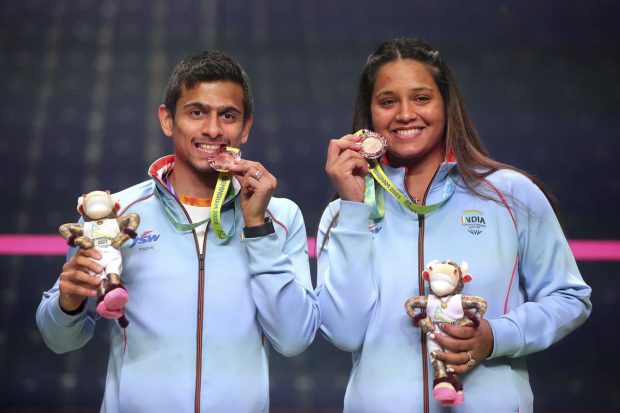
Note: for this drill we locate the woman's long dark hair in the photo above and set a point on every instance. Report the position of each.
(461, 138)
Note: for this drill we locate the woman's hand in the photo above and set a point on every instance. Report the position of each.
(346, 167)
(465, 346)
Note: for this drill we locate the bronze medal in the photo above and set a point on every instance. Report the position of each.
(373, 144)
(224, 159)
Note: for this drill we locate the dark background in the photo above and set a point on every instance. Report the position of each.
(80, 82)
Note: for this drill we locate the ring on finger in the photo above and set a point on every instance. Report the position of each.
(471, 360)
(257, 175)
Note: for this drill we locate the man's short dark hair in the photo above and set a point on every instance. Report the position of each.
(207, 66)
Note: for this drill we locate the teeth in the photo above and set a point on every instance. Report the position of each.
(207, 148)
(409, 132)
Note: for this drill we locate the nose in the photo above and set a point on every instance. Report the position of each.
(406, 112)
(211, 127)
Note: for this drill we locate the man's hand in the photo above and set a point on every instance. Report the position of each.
(76, 283)
(257, 186)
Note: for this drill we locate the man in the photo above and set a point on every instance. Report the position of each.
(225, 273)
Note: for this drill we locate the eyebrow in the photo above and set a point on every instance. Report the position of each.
(222, 109)
(415, 89)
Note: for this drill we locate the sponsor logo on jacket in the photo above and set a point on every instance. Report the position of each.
(374, 228)
(145, 240)
(473, 221)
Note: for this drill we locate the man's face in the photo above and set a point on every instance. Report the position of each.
(208, 116)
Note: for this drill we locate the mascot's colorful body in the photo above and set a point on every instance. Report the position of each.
(445, 305)
(105, 232)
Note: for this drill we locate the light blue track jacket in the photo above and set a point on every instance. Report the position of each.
(200, 326)
(521, 264)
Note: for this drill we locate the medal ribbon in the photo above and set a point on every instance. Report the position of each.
(178, 225)
(219, 196)
(372, 198)
(219, 199)
(221, 189)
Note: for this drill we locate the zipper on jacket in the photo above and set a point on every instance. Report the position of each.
(422, 292)
(200, 310)
(201, 273)
(200, 317)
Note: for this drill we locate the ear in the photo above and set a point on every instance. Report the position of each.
(80, 205)
(464, 266)
(426, 275)
(467, 278)
(165, 120)
(116, 203)
(245, 132)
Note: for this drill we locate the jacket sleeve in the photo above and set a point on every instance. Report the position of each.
(63, 332)
(556, 298)
(345, 286)
(288, 309)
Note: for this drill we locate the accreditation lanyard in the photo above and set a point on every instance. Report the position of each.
(219, 199)
(375, 198)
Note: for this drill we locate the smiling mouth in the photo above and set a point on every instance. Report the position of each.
(408, 133)
(208, 149)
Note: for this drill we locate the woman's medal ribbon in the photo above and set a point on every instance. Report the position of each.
(374, 197)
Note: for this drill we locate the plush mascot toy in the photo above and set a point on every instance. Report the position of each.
(105, 232)
(445, 305)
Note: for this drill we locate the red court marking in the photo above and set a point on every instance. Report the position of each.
(28, 244)
(312, 247)
(595, 250)
(32, 245)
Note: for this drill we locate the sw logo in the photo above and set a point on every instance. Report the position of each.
(145, 238)
(374, 228)
(473, 221)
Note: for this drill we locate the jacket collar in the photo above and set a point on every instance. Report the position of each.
(164, 165)
(397, 174)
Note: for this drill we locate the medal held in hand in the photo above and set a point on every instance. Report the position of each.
(224, 159)
(373, 144)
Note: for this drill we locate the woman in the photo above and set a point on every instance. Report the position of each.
(456, 204)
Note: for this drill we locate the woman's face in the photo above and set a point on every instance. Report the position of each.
(408, 109)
